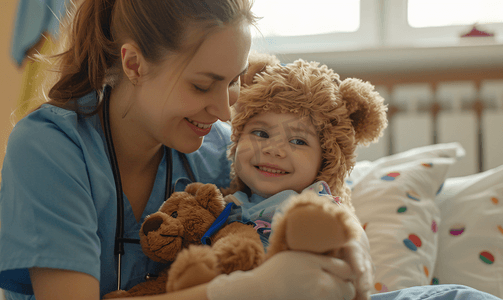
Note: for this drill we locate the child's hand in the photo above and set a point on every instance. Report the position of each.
(357, 255)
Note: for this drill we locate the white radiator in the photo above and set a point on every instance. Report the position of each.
(458, 111)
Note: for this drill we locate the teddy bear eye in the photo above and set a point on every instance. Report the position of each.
(174, 214)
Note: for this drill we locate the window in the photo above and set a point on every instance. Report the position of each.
(320, 26)
(293, 26)
(434, 13)
(278, 17)
(440, 22)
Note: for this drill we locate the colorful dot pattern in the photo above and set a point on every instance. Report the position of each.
(390, 176)
(381, 288)
(426, 271)
(457, 229)
(483, 261)
(413, 241)
(413, 195)
(434, 226)
(440, 188)
(418, 242)
(486, 257)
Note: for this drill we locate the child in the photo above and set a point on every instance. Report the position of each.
(296, 128)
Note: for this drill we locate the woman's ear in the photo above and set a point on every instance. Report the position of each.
(133, 63)
(366, 109)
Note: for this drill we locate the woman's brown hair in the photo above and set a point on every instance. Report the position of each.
(96, 29)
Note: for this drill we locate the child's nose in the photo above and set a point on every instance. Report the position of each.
(275, 150)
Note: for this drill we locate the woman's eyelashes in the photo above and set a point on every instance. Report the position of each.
(204, 90)
(200, 89)
(294, 140)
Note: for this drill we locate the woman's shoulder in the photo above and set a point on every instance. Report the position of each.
(49, 121)
(42, 125)
(54, 132)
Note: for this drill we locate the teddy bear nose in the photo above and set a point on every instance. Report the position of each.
(152, 224)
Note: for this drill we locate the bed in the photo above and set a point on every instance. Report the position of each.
(430, 193)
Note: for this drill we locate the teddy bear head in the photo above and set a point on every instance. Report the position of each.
(181, 220)
(346, 113)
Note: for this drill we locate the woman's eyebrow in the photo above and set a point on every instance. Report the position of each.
(218, 77)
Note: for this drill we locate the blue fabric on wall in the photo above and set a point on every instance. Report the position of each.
(34, 17)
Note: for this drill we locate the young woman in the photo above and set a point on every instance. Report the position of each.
(139, 84)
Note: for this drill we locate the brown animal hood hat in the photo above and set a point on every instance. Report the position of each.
(345, 113)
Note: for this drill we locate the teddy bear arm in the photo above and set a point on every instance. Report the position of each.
(238, 247)
(235, 228)
(311, 224)
(193, 266)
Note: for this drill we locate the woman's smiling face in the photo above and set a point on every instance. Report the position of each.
(177, 108)
(278, 152)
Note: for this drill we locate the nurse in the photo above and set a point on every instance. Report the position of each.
(139, 85)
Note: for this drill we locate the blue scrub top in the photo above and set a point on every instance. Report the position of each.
(58, 200)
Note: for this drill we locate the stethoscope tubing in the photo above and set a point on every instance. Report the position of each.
(119, 231)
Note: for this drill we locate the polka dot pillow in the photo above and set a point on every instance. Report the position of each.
(394, 199)
(471, 233)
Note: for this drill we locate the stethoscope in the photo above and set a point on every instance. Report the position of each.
(119, 232)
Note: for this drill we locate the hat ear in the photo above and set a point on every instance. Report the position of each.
(257, 64)
(366, 109)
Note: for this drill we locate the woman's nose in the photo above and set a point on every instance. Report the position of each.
(221, 107)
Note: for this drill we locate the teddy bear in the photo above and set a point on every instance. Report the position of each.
(173, 234)
(180, 223)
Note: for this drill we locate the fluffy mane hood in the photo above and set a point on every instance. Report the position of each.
(345, 113)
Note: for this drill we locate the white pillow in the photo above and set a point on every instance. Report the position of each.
(394, 199)
(471, 234)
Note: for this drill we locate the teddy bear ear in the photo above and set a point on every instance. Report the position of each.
(192, 188)
(257, 64)
(210, 198)
(366, 110)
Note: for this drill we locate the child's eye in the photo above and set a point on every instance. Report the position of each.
(260, 133)
(200, 89)
(298, 142)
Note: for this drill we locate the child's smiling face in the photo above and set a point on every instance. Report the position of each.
(278, 152)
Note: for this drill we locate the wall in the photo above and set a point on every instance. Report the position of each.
(10, 75)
